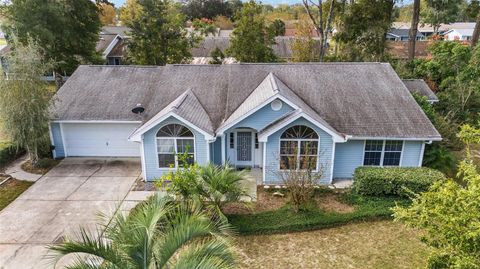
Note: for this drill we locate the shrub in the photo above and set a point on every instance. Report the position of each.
(8, 153)
(394, 180)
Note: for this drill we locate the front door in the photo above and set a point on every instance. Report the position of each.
(244, 148)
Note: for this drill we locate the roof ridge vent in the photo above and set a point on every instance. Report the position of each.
(273, 82)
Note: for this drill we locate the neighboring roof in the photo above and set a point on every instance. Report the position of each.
(281, 48)
(359, 99)
(118, 49)
(402, 32)
(426, 28)
(105, 41)
(419, 86)
(462, 32)
(122, 31)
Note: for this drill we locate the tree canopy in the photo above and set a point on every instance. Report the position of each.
(67, 30)
(158, 35)
(448, 213)
(107, 14)
(251, 40)
(25, 99)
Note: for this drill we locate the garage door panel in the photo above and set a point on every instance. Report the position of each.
(100, 139)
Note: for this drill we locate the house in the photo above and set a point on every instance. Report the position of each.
(112, 44)
(332, 117)
(396, 34)
(419, 86)
(458, 34)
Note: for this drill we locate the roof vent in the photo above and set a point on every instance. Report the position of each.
(138, 109)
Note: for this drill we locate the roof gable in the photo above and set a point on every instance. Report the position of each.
(186, 108)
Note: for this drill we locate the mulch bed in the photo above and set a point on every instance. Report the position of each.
(28, 167)
(141, 185)
(266, 201)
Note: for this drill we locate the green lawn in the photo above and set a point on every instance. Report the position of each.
(380, 244)
(11, 190)
(285, 220)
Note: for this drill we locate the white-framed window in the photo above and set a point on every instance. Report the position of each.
(172, 141)
(383, 152)
(299, 148)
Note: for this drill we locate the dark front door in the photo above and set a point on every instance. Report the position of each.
(244, 147)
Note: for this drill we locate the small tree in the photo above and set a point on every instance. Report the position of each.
(448, 213)
(301, 180)
(251, 40)
(278, 27)
(213, 185)
(303, 46)
(437, 12)
(217, 56)
(221, 185)
(24, 98)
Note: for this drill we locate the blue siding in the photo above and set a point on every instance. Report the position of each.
(348, 156)
(216, 151)
(263, 117)
(149, 143)
(273, 148)
(411, 154)
(57, 140)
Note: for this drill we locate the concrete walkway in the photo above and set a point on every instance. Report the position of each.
(15, 170)
(66, 198)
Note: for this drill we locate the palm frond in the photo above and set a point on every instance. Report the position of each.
(88, 244)
(207, 254)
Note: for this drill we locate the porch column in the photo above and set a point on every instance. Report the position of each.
(223, 149)
(264, 166)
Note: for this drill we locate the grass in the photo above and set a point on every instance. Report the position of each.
(381, 244)
(11, 189)
(285, 220)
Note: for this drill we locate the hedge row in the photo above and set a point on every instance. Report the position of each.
(8, 153)
(396, 181)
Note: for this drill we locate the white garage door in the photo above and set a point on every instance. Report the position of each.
(100, 139)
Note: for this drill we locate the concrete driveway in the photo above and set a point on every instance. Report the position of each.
(69, 196)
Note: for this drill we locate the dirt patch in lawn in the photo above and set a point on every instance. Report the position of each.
(332, 203)
(47, 164)
(11, 189)
(381, 244)
(266, 201)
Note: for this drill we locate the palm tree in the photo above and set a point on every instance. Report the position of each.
(157, 234)
(221, 185)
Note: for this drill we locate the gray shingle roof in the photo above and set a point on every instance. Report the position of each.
(281, 48)
(403, 32)
(360, 99)
(419, 86)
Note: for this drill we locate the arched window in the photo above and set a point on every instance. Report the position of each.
(174, 140)
(299, 148)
